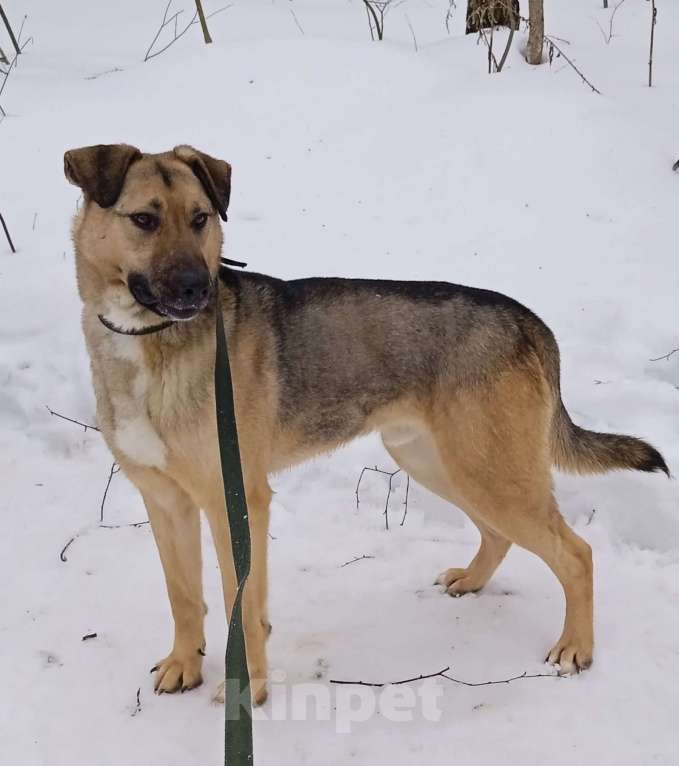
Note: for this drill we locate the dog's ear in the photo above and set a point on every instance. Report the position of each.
(100, 170)
(214, 175)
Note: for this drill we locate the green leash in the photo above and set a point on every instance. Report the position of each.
(238, 710)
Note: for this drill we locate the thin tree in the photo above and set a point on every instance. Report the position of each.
(536, 31)
(203, 22)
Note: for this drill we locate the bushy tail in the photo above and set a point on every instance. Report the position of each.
(577, 450)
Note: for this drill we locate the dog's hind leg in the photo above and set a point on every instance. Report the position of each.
(495, 446)
(175, 521)
(416, 453)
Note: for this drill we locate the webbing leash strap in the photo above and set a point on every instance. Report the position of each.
(238, 712)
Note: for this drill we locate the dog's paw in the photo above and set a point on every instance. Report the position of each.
(571, 656)
(457, 582)
(258, 690)
(178, 673)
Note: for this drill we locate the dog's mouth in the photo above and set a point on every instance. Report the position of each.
(181, 304)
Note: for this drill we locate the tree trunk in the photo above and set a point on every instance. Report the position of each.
(536, 32)
(482, 14)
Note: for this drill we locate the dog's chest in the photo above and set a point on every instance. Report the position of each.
(133, 432)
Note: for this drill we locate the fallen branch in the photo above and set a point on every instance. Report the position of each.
(102, 74)
(9, 239)
(552, 46)
(89, 636)
(353, 561)
(673, 351)
(443, 674)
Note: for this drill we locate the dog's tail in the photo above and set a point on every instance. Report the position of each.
(577, 450)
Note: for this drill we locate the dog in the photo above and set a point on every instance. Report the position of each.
(461, 383)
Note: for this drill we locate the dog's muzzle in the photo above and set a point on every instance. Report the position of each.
(181, 295)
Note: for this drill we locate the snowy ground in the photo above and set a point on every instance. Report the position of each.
(359, 159)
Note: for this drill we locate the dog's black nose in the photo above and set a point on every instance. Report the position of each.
(191, 286)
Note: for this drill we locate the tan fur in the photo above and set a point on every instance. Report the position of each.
(486, 446)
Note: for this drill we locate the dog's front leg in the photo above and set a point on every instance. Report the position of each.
(255, 618)
(175, 521)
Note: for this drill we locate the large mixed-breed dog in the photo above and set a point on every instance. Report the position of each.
(462, 384)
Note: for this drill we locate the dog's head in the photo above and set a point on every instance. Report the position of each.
(149, 234)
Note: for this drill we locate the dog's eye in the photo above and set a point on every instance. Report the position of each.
(145, 221)
(199, 221)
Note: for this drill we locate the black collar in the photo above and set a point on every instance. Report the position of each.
(135, 331)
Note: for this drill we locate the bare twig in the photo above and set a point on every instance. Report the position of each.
(9, 239)
(177, 34)
(13, 64)
(491, 56)
(391, 475)
(86, 426)
(203, 22)
(376, 10)
(3, 57)
(137, 707)
(353, 561)
(412, 31)
(62, 555)
(294, 16)
(10, 32)
(608, 37)
(115, 468)
(674, 350)
(591, 517)
(405, 502)
(654, 16)
(676, 165)
(89, 636)
(444, 674)
(512, 26)
(449, 14)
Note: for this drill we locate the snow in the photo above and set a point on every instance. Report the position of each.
(358, 159)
